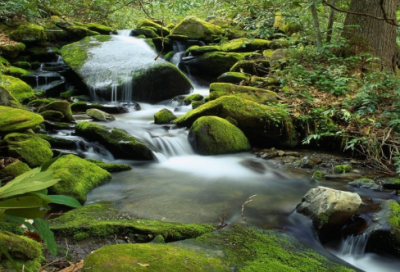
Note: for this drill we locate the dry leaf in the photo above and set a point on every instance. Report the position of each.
(75, 267)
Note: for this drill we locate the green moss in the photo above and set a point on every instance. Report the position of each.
(15, 169)
(12, 50)
(33, 149)
(17, 72)
(200, 50)
(141, 36)
(174, 259)
(68, 94)
(39, 102)
(150, 43)
(290, 28)
(211, 135)
(111, 167)
(318, 175)
(258, 122)
(394, 217)
(79, 32)
(19, 89)
(193, 97)
(233, 77)
(169, 55)
(52, 115)
(101, 220)
(164, 116)
(251, 249)
(102, 38)
(159, 29)
(79, 106)
(29, 33)
(248, 66)
(245, 45)
(342, 168)
(118, 140)
(268, 53)
(258, 95)
(16, 120)
(196, 104)
(195, 28)
(7, 99)
(11, 227)
(146, 31)
(102, 29)
(61, 106)
(78, 177)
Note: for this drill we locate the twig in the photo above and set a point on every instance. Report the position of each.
(247, 201)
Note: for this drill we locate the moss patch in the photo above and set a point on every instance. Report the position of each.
(17, 120)
(193, 97)
(339, 169)
(33, 149)
(28, 33)
(101, 220)
(12, 50)
(233, 77)
(19, 89)
(61, 106)
(15, 169)
(195, 28)
(164, 116)
(111, 167)
(78, 177)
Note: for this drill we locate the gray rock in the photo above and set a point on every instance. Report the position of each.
(100, 115)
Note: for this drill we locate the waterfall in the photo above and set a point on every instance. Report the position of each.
(179, 50)
(354, 245)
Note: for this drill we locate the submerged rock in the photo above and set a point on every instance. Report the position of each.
(119, 142)
(258, 95)
(263, 125)
(328, 206)
(33, 149)
(78, 177)
(17, 120)
(211, 135)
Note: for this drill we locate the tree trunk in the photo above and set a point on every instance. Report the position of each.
(317, 31)
(330, 22)
(372, 35)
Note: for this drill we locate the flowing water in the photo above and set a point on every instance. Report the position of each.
(184, 187)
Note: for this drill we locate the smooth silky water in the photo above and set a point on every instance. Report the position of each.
(181, 186)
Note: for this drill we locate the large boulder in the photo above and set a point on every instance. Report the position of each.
(384, 232)
(61, 106)
(258, 95)
(164, 116)
(17, 88)
(195, 28)
(329, 209)
(120, 143)
(33, 149)
(118, 69)
(213, 63)
(160, 30)
(262, 125)
(78, 177)
(17, 120)
(211, 135)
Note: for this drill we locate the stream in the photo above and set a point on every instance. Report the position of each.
(181, 186)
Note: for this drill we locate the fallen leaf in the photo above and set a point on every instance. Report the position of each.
(144, 265)
(75, 267)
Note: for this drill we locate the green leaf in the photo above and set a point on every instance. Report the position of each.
(48, 163)
(65, 200)
(45, 198)
(27, 213)
(21, 202)
(47, 235)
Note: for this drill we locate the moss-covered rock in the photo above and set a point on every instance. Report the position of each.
(78, 177)
(214, 63)
(258, 95)
(261, 124)
(119, 142)
(195, 28)
(164, 116)
(345, 168)
(11, 51)
(99, 115)
(258, 67)
(127, 257)
(146, 31)
(19, 89)
(12, 227)
(111, 167)
(79, 32)
(29, 33)
(68, 94)
(39, 102)
(15, 169)
(33, 149)
(160, 30)
(101, 220)
(17, 120)
(245, 45)
(16, 72)
(197, 50)
(196, 104)
(211, 135)
(102, 29)
(391, 183)
(233, 77)
(193, 97)
(61, 106)
(52, 115)
(365, 183)
(26, 253)
(159, 82)
(318, 175)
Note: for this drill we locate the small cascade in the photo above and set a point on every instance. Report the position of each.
(125, 32)
(354, 246)
(179, 50)
(173, 146)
